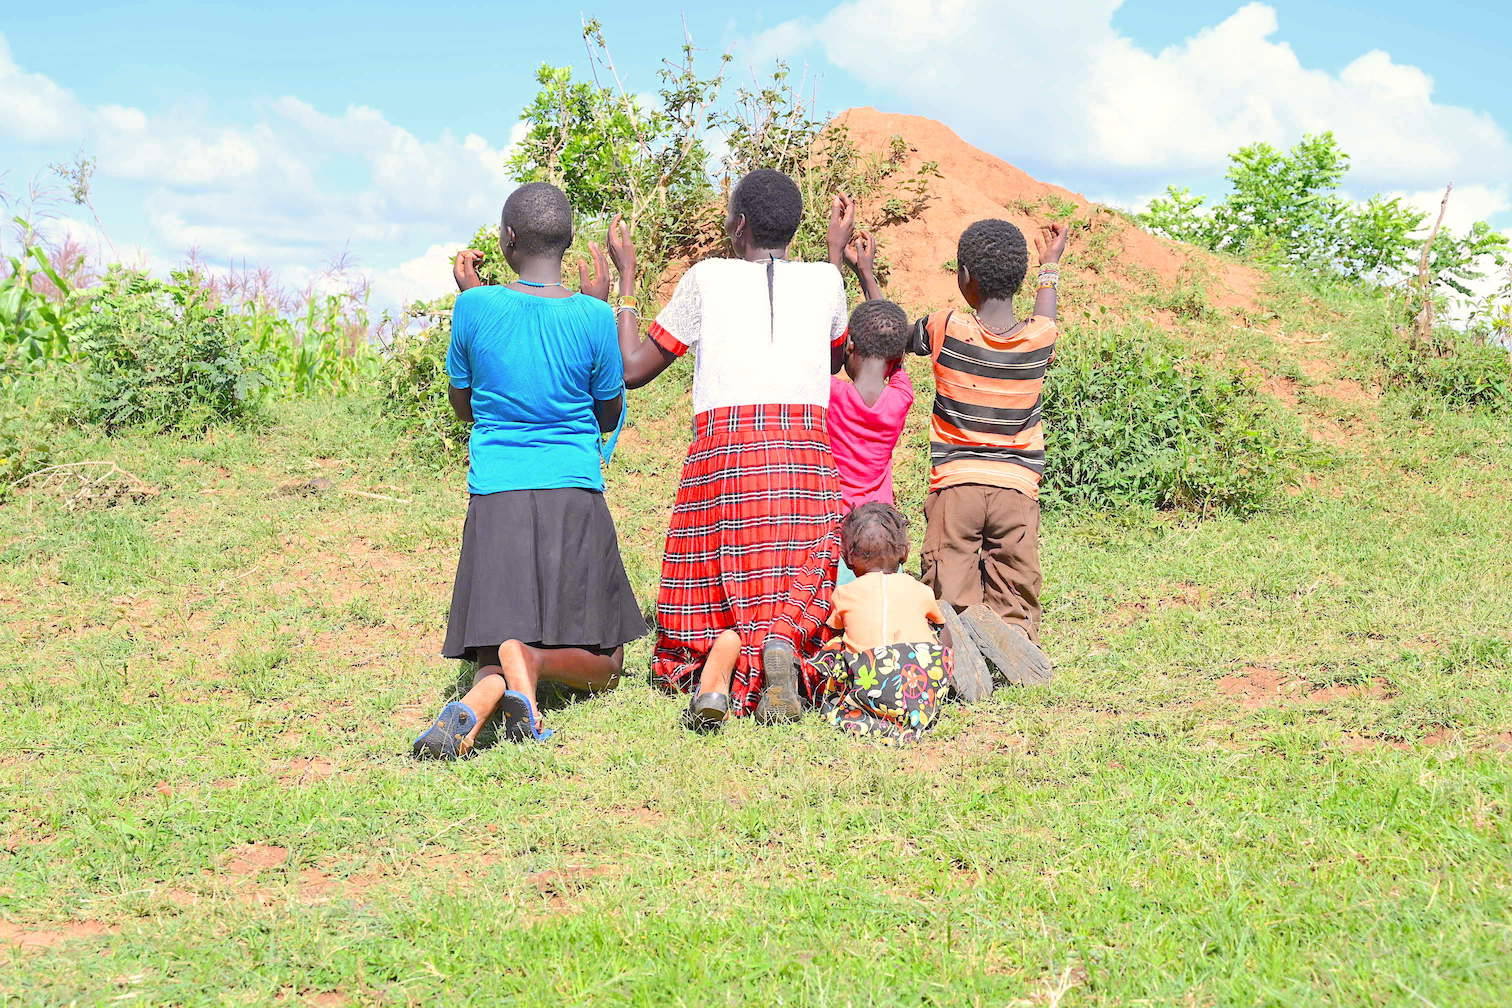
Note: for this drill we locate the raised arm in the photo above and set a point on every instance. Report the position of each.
(458, 359)
(861, 256)
(644, 358)
(842, 226)
(1052, 246)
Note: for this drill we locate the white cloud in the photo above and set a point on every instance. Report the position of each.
(1110, 109)
(295, 189)
(424, 277)
(32, 107)
(1467, 204)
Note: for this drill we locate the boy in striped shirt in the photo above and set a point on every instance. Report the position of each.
(987, 445)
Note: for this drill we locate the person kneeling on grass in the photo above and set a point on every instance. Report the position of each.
(541, 593)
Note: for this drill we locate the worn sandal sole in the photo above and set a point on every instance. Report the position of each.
(780, 701)
(520, 721)
(972, 680)
(1017, 660)
(446, 738)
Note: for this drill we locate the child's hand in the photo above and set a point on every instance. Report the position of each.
(861, 253)
(465, 269)
(1052, 241)
(622, 251)
(597, 285)
(842, 226)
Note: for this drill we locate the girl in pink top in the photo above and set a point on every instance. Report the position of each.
(868, 411)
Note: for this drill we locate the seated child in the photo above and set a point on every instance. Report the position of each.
(887, 672)
(987, 444)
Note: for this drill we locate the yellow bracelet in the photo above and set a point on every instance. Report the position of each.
(629, 301)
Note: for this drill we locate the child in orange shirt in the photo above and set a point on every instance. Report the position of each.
(987, 446)
(887, 672)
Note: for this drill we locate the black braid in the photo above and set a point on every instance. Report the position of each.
(771, 299)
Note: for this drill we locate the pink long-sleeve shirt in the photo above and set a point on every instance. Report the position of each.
(864, 437)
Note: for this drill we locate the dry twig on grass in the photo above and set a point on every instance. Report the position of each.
(83, 486)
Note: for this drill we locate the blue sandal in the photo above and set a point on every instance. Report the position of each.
(520, 721)
(447, 737)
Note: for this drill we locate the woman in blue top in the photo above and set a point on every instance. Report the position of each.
(540, 592)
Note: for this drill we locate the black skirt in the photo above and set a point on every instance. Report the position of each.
(541, 567)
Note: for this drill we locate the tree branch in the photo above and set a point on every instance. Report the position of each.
(1422, 334)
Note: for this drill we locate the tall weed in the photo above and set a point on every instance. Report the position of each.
(26, 444)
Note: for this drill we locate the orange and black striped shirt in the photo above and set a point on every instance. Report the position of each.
(986, 425)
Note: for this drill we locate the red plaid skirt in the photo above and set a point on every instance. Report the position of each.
(753, 545)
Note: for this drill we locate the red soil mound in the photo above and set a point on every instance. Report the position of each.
(1110, 261)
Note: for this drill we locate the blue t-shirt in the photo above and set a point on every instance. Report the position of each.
(535, 366)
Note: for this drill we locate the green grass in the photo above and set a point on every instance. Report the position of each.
(227, 665)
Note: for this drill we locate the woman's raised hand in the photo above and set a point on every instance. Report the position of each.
(842, 227)
(622, 251)
(598, 284)
(465, 269)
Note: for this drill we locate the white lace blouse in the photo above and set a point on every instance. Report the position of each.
(755, 345)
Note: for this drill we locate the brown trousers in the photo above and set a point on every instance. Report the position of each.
(982, 545)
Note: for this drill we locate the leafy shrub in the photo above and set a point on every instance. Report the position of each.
(163, 356)
(1458, 371)
(618, 150)
(1131, 419)
(413, 384)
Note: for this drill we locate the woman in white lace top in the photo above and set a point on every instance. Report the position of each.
(750, 556)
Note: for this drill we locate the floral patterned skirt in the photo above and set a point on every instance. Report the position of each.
(891, 693)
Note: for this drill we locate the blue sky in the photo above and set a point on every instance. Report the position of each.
(283, 134)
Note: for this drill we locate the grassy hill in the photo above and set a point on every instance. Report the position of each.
(1273, 766)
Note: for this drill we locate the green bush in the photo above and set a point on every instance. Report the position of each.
(1132, 419)
(163, 356)
(1285, 208)
(1458, 371)
(413, 384)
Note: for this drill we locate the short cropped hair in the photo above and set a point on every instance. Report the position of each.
(875, 535)
(879, 329)
(541, 218)
(997, 256)
(772, 205)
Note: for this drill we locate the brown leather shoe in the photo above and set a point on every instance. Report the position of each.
(780, 699)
